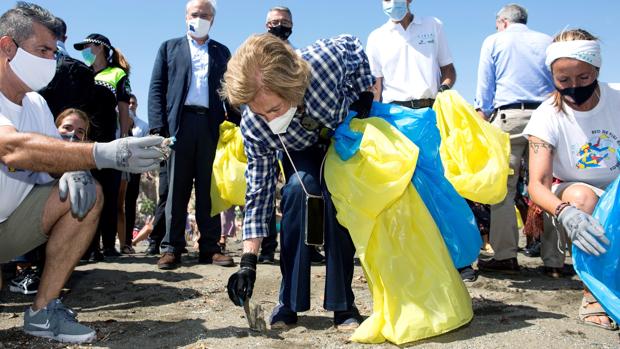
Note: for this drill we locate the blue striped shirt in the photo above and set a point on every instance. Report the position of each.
(340, 72)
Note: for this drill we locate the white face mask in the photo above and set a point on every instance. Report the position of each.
(35, 72)
(280, 124)
(132, 114)
(198, 28)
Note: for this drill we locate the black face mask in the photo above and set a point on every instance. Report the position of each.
(581, 94)
(281, 31)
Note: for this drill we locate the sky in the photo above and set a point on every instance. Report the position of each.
(138, 27)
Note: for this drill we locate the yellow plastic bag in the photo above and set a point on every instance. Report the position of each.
(417, 292)
(475, 154)
(228, 177)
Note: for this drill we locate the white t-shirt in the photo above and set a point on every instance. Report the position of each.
(586, 143)
(409, 60)
(32, 116)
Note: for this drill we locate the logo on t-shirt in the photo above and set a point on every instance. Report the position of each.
(599, 152)
(428, 38)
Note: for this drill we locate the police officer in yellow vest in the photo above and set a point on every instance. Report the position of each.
(111, 93)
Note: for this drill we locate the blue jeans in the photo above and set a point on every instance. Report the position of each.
(295, 254)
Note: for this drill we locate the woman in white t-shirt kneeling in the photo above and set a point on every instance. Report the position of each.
(574, 137)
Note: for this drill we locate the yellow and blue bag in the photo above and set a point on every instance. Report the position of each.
(228, 177)
(475, 154)
(450, 211)
(417, 292)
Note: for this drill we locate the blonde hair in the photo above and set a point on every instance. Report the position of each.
(80, 114)
(265, 62)
(568, 35)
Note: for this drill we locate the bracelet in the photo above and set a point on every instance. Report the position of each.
(561, 207)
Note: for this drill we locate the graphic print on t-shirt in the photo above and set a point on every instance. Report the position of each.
(599, 152)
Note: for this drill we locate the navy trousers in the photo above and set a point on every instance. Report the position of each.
(190, 165)
(295, 254)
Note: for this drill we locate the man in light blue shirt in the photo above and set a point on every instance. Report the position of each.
(512, 81)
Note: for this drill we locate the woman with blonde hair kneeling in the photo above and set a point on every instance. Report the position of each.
(573, 138)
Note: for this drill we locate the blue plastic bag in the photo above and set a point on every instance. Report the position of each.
(602, 274)
(451, 213)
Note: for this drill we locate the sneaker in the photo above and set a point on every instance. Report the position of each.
(27, 282)
(468, 274)
(127, 250)
(153, 249)
(57, 322)
(267, 258)
(282, 317)
(533, 250)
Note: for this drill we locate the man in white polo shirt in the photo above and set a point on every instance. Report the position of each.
(410, 58)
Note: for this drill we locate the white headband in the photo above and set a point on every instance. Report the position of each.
(588, 51)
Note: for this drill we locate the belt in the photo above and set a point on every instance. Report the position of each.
(196, 109)
(416, 103)
(524, 105)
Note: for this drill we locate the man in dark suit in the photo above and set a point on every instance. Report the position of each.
(184, 103)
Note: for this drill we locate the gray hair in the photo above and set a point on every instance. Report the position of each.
(211, 3)
(282, 9)
(513, 13)
(17, 22)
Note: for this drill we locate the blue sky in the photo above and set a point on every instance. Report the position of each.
(138, 27)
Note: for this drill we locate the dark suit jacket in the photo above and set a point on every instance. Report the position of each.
(171, 78)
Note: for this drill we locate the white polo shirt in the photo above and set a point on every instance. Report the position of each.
(409, 60)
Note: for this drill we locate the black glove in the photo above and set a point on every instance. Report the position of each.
(363, 104)
(444, 87)
(241, 283)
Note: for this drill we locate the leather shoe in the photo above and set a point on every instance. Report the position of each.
(510, 265)
(169, 261)
(216, 258)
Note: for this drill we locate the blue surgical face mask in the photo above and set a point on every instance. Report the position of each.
(89, 56)
(395, 9)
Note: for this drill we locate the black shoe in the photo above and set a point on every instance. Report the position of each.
(98, 256)
(533, 250)
(111, 252)
(468, 274)
(267, 258)
(316, 258)
(152, 250)
(510, 265)
(282, 317)
(26, 282)
(347, 320)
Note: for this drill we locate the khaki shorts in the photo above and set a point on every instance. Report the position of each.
(23, 231)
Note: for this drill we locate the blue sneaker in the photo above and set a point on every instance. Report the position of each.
(57, 322)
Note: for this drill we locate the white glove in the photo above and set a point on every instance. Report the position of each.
(81, 189)
(130, 154)
(584, 230)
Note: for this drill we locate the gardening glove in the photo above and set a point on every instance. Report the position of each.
(241, 283)
(80, 187)
(130, 154)
(584, 230)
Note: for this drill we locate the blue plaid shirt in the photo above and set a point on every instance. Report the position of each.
(340, 72)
